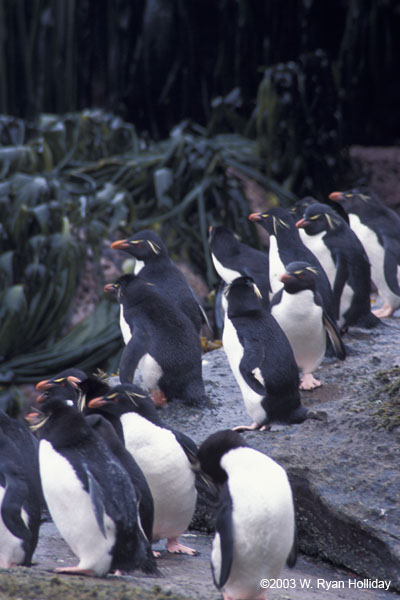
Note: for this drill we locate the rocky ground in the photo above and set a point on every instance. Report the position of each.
(345, 474)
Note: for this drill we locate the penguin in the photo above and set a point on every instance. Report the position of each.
(345, 262)
(76, 380)
(108, 433)
(160, 340)
(255, 532)
(156, 267)
(20, 493)
(286, 247)
(89, 494)
(234, 259)
(165, 456)
(298, 309)
(261, 358)
(377, 228)
(300, 206)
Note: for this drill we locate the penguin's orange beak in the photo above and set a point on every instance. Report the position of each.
(41, 398)
(285, 277)
(96, 402)
(74, 381)
(32, 418)
(43, 385)
(301, 223)
(336, 196)
(120, 245)
(109, 288)
(255, 217)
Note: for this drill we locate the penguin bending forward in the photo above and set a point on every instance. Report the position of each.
(261, 358)
(378, 229)
(165, 456)
(160, 340)
(298, 309)
(20, 493)
(255, 524)
(88, 493)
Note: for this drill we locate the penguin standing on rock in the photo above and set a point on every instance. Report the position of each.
(156, 267)
(88, 493)
(345, 262)
(378, 229)
(20, 493)
(255, 524)
(234, 259)
(298, 309)
(165, 456)
(286, 247)
(160, 340)
(261, 358)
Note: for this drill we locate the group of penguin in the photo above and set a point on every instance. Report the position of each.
(115, 478)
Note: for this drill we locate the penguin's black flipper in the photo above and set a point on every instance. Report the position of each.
(292, 558)
(188, 446)
(224, 527)
(334, 336)
(15, 495)
(96, 497)
(390, 264)
(131, 355)
(253, 356)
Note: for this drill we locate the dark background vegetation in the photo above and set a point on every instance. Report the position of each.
(118, 115)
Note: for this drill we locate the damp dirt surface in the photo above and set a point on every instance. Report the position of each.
(344, 470)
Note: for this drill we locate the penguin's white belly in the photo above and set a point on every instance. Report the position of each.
(345, 302)
(72, 511)
(316, 244)
(262, 519)
(168, 473)
(226, 274)
(11, 550)
(125, 329)
(150, 371)
(234, 352)
(301, 320)
(376, 256)
(276, 266)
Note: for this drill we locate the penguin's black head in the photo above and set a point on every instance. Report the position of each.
(212, 450)
(67, 381)
(300, 206)
(144, 245)
(125, 398)
(131, 288)
(243, 296)
(299, 275)
(92, 387)
(351, 199)
(220, 233)
(319, 217)
(274, 220)
(55, 398)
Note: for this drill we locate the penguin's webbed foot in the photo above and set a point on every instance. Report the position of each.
(175, 547)
(308, 382)
(76, 571)
(158, 398)
(385, 311)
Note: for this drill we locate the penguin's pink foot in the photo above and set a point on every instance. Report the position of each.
(308, 382)
(156, 554)
(385, 311)
(76, 571)
(254, 426)
(158, 398)
(176, 547)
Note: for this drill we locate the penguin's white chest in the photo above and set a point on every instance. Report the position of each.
(11, 550)
(234, 352)
(262, 520)
(276, 266)
(302, 321)
(150, 371)
(139, 264)
(316, 244)
(125, 329)
(168, 473)
(72, 512)
(376, 255)
(226, 274)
